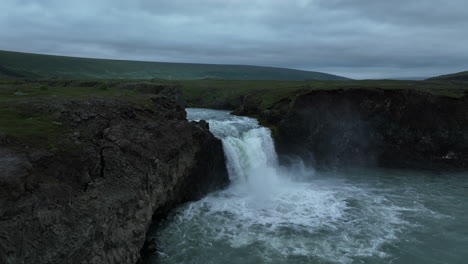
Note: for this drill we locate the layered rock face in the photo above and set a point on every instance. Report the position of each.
(92, 198)
(389, 128)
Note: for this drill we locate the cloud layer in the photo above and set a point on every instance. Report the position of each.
(358, 39)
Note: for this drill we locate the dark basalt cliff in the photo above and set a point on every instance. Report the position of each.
(387, 128)
(91, 199)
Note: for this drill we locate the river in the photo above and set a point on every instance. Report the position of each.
(295, 214)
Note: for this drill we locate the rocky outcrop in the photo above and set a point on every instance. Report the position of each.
(389, 128)
(91, 197)
(250, 105)
(168, 90)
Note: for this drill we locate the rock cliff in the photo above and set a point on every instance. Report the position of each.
(387, 128)
(91, 198)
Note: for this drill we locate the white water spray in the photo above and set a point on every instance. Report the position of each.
(252, 162)
(266, 216)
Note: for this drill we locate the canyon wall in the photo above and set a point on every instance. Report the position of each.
(91, 197)
(385, 128)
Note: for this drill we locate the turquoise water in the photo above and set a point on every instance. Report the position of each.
(275, 214)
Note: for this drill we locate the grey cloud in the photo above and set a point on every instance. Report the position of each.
(358, 39)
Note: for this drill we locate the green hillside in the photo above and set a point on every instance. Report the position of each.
(26, 65)
(461, 76)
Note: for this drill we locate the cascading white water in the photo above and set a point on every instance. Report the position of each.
(252, 161)
(267, 215)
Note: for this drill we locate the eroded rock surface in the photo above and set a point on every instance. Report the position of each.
(388, 128)
(91, 199)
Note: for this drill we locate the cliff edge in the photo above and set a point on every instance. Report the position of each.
(373, 127)
(91, 197)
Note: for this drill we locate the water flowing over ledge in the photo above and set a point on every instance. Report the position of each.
(275, 214)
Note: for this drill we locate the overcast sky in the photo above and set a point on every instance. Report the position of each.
(354, 38)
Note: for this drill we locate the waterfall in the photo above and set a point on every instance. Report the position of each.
(251, 157)
(252, 161)
(267, 215)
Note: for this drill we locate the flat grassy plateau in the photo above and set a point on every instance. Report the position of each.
(15, 94)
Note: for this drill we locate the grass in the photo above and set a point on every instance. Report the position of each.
(21, 125)
(202, 93)
(198, 93)
(11, 93)
(25, 65)
(453, 77)
(42, 129)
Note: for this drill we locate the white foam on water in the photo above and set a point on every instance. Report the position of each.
(266, 215)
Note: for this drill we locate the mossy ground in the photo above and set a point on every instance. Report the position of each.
(199, 93)
(42, 129)
(205, 92)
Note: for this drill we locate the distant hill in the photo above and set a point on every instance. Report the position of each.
(461, 76)
(27, 65)
(408, 78)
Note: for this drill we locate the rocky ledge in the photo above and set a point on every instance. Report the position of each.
(92, 198)
(386, 128)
